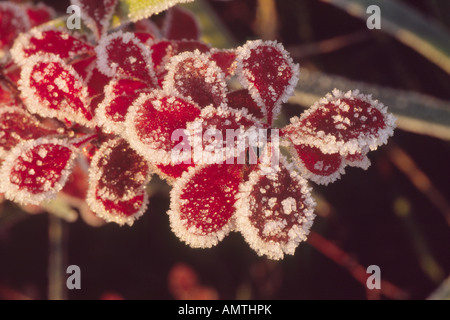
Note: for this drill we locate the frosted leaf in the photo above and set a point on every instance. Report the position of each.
(239, 99)
(13, 21)
(51, 40)
(233, 130)
(119, 95)
(202, 204)
(359, 160)
(120, 212)
(16, 125)
(36, 170)
(180, 24)
(195, 75)
(96, 14)
(84, 67)
(96, 81)
(345, 123)
(149, 27)
(275, 221)
(123, 54)
(317, 166)
(117, 172)
(268, 72)
(144, 37)
(51, 88)
(225, 60)
(170, 172)
(151, 121)
(163, 50)
(39, 14)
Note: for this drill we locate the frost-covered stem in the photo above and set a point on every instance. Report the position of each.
(56, 258)
(338, 256)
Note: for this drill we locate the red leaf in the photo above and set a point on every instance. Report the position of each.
(195, 75)
(149, 27)
(144, 37)
(268, 72)
(180, 24)
(345, 123)
(163, 50)
(85, 67)
(274, 211)
(96, 82)
(222, 135)
(119, 95)
(153, 119)
(96, 14)
(317, 166)
(13, 20)
(120, 212)
(358, 160)
(36, 170)
(240, 99)
(117, 176)
(202, 204)
(50, 40)
(124, 54)
(225, 60)
(171, 172)
(16, 125)
(51, 88)
(39, 14)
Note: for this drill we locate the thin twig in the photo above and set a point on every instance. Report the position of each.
(340, 257)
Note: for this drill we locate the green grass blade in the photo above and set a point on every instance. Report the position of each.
(408, 26)
(135, 10)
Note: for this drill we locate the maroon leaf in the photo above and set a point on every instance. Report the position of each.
(124, 54)
(274, 211)
(50, 40)
(96, 14)
(202, 204)
(240, 99)
(152, 121)
(39, 14)
(119, 95)
(16, 125)
(268, 72)
(195, 75)
(117, 178)
(36, 170)
(319, 167)
(13, 20)
(222, 135)
(51, 88)
(225, 60)
(345, 123)
(180, 24)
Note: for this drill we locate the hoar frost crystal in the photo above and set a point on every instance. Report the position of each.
(108, 102)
